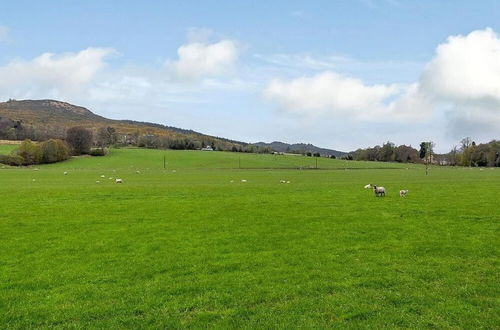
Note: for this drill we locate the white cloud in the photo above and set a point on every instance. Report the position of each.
(465, 68)
(52, 75)
(328, 93)
(463, 81)
(199, 60)
(4, 31)
(460, 84)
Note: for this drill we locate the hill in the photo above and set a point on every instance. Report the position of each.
(300, 148)
(42, 119)
(51, 118)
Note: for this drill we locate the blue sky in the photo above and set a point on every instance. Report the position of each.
(339, 74)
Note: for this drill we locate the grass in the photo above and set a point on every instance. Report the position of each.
(7, 148)
(186, 247)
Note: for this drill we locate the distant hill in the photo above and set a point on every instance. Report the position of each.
(52, 118)
(56, 116)
(300, 147)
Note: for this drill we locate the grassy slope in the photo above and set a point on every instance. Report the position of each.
(172, 249)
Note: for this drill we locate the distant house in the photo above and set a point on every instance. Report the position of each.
(207, 148)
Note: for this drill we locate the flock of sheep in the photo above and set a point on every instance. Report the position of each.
(380, 191)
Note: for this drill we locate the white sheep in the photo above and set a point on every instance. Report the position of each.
(98, 181)
(368, 186)
(243, 180)
(119, 181)
(65, 173)
(379, 191)
(282, 181)
(103, 176)
(403, 193)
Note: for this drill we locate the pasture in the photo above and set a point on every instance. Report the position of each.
(194, 246)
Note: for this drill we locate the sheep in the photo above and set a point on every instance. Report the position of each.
(368, 186)
(65, 173)
(103, 176)
(288, 182)
(98, 181)
(379, 191)
(243, 180)
(403, 193)
(119, 181)
(138, 172)
(282, 181)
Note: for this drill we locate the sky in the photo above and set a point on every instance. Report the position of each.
(340, 74)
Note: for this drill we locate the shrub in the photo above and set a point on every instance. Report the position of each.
(80, 139)
(13, 160)
(98, 152)
(30, 152)
(54, 151)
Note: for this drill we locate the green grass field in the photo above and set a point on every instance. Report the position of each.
(186, 247)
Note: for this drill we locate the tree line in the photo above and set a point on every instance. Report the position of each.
(468, 153)
(78, 141)
(180, 140)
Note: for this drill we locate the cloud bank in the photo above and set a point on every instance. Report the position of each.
(461, 82)
(53, 75)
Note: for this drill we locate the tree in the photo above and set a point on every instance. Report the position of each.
(425, 153)
(80, 139)
(30, 152)
(106, 136)
(54, 151)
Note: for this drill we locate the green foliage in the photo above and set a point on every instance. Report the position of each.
(13, 160)
(54, 151)
(31, 152)
(472, 154)
(388, 153)
(98, 152)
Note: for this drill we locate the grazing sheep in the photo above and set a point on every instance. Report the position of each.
(65, 173)
(379, 191)
(138, 172)
(103, 176)
(368, 186)
(288, 182)
(282, 181)
(119, 181)
(231, 181)
(243, 180)
(98, 182)
(403, 193)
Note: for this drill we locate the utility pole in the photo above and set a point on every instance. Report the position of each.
(239, 161)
